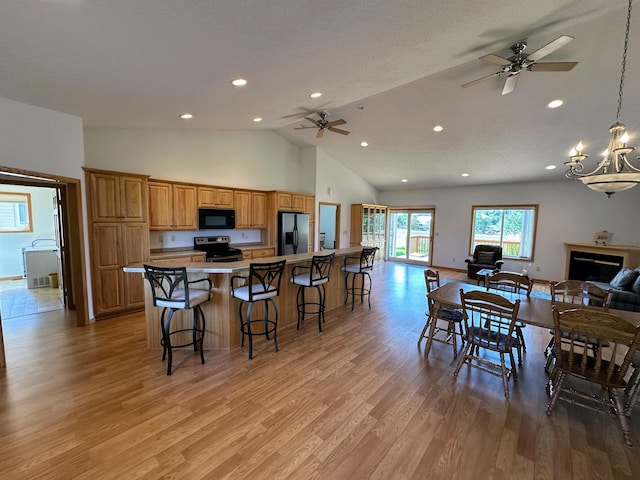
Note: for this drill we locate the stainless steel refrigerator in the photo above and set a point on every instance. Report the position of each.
(293, 233)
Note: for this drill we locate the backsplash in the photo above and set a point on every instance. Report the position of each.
(177, 239)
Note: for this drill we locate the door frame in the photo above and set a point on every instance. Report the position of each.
(410, 211)
(337, 222)
(74, 267)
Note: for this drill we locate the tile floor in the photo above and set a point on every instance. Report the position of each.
(17, 300)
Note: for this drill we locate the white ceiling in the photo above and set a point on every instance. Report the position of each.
(140, 63)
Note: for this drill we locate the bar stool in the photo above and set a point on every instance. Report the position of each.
(358, 266)
(261, 285)
(315, 276)
(170, 289)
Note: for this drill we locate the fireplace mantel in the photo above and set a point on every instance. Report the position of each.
(628, 255)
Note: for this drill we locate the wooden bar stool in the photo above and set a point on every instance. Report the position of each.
(171, 290)
(261, 285)
(315, 276)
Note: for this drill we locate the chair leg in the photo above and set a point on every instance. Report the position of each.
(424, 329)
(520, 336)
(248, 324)
(557, 387)
(241, 322)
(275, 321)
(622, 418)
(454, 341)
(369, 290)
(204, 328)
(321, 296)
(346, 288)
(463, 356)
(166, 335)
(300, 305)
(505, 377)
(633, 391)
(353, 290)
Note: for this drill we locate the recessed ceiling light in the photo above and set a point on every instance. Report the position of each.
(464, 175)
(186, 116)
(315, 95)
(257, 119)
(550, 167)
(438, 128)
(360, 107)
(364, 144)
(404, 180)
(238, 82)
(555, 103)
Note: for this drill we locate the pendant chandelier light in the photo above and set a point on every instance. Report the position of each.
(614, 173)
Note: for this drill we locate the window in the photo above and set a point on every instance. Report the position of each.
(511, 226)
(15, 212)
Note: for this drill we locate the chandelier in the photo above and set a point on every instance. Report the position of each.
(614, 173)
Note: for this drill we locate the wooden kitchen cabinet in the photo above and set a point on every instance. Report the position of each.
(172, 206)
(119, 236)
(251, 209)
(287, 201)
(214, 197)
(258, 253)
(117, 197)
(369, 226)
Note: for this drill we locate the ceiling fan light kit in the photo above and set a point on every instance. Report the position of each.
(614, 173)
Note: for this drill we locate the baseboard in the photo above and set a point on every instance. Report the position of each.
(16, 277)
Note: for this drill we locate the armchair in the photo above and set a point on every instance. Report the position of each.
(484, 256)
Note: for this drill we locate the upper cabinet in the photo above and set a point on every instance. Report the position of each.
(251, 209)
(214, 197)
(290, 201)
(117, 197)
(172, 206)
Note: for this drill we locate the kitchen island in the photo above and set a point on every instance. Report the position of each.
(221, 312)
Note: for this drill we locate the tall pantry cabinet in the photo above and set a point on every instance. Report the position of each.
(119, 236)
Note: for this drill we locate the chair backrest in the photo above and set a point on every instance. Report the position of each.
(614, 338)
(489, 319)
(264, 278)
(367, 256)
(169, 286)
(482, 253)
(580, 293)
(320, 267)
(510, 282)
(431, 279)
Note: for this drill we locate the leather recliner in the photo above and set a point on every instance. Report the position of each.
(484, 256)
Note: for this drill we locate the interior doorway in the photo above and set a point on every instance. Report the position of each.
(68, 233)
(329, 226)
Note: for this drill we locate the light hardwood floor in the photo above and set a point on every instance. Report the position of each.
(357, 401)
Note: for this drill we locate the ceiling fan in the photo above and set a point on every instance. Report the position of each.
(520, 62)
(323, 124)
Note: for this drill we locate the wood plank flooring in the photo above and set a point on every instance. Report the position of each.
(358, 401)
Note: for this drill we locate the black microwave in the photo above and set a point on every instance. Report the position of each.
(215, 219)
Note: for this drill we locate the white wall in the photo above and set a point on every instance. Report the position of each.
(568, 212)
(335, 183)
(43, 228)
(256, 159)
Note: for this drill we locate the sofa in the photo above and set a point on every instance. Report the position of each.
(626, 289)
(484, 256)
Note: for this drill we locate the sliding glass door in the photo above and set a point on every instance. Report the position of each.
(410, 236)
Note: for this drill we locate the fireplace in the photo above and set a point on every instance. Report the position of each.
(598, 262)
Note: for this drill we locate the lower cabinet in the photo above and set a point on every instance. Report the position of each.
(258, 253)
(116, 245)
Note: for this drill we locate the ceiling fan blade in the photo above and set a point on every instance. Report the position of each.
(473, 82)
(336, 122)
(302, 127)
(320, 133)
(339, 130)
(315, 122)
(552, 66)
(510, 84)
(549, 48)
(495, 59)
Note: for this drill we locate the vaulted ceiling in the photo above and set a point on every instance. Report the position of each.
(391, 69)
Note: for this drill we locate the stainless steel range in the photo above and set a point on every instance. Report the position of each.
(217, 249)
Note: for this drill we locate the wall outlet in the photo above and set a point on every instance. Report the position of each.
(537, 269)
(454, 260)
(173, 238)
(244, 235)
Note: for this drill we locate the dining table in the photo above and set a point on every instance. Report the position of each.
(534, 310)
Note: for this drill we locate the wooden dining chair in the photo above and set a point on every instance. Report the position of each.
(485, 316)
(576, 292)
(512, 283)
(605, 366)
(450, 316)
